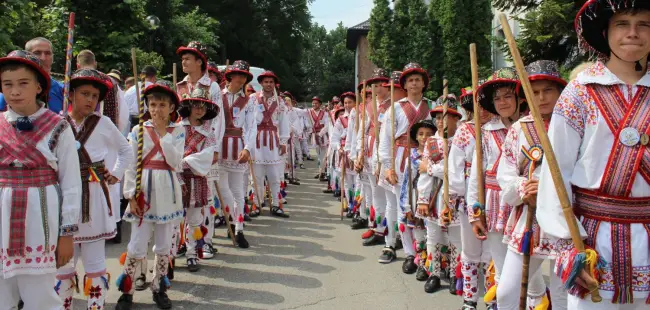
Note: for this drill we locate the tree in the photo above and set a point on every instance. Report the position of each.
(339, 70)
(515, 5)
(548, 33)
(16, 23)
(460, 27)
(397, 51)
(314, 60)
(380, 29)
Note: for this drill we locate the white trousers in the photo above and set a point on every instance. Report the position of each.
(274, 175)
(35, 291)
(437, 238)
(141, 234)
(93, 257)
(498, 251)
(297, 151)
(193, 220)
(510, 283)
(304, 147)
(376, 198)
(407, 233)
(230, 186)
(391, 217)
(322, 161)
(472, 249)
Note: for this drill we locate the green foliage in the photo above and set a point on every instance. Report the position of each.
(16, 22)
(150, 58)
(380, 29)
(548, 33)
(515, 5)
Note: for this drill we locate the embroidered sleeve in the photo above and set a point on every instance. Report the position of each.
(571, 106)
(511, 143)
(462, 137)
(69, 207)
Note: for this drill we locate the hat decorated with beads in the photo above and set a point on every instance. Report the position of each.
(92, 77)
(452, 106)
(504, 77)
(414, 68)
(394, 76)
(196, 48)
(199, 95)
(467, 99)
(239, 67)
(379, 75)
(31, 61)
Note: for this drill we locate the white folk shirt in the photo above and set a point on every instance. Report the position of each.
(264, 155)
(461, 153)
(131, 98)
(104, 142)
(161, 188)
(583, 142)
(370, 160)
(512, 176)
(401, 127)
(325, 121)
(65, 161)
(244, 119)
(491, 156)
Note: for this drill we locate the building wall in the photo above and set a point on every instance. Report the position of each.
(366, 67)
(499, 59)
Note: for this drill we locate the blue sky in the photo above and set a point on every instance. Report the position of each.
(330, 12)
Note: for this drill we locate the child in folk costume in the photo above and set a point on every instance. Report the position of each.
(441, 218)
(601, 127)
(338, 142)
(319, 120)
(40, 187)
(408, 111)
(333, 178)
(366, 165)
(297, 125)
(97, 137)
(420, 132)
(517, 176)
(272, 137)
(460, 163)
(497, 95)
(197, 110)
(389, 210)
(164, 142)
(238, 143)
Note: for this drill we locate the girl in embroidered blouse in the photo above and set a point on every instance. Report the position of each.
(97, 137)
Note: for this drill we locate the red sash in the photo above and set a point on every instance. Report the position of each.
(232, 132)
(616, 184)
(266, 127)
(317, 118)
(21, 146)
(413, 115)
(193, 139)
(148, 162)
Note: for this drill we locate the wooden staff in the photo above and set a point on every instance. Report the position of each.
(68, 65)
(445, 147)
(551, 160)
(343, 195)
(376, 146)
(226, 214)
(477, 128)
(523, 292)
(392, 124)
(363, 127)
(139, 196)
(174, 79)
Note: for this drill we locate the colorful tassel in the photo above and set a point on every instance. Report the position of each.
(369, 211)
(166, 282)
(402, 227)
(123, 259)
(124, 283)
(396, 226)
(383, 222)
(213, 210)
(372, 213)
(491, 294)
(227, 209)
(57, 287)
(378, 220)
(88, 282)
(204, 231)
(575, 263)
(240, 219)
(217, 203)
(107, 280)
(246, 209)
(197, 234)
(525, 247)
(544, 304)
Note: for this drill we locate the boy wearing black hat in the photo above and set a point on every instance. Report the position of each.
(157, 208)
(39, 161)
(98, 140)
(461, 152)
(408, 111)
(601, 127)
(441, 218)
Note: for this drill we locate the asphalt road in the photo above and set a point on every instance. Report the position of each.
(312, 260)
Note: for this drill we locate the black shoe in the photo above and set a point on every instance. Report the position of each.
(294, 181)
(241, 240)
(323, 178)
(125, 302)
(141, 283)
(21, 304)
(276, 211)
(398, 244)
(421, 274)
(309, 158)
(374, 240)
(469, 305)
(170, 271)
(247, 218)
(452, 285)
(359, 224)
(317, 176)
(286, 176)
(192, 265)
(181, 250)
(328, 191)
(337, 194)
(492, 306)
(387, 255)
(256, 212)
(218, 221)
(349, 215)
(162, 300)
(432, 284)
(409, 266)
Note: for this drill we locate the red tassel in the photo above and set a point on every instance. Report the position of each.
(199, 252)
(142, 205)
(213, 211)
(123, 259)
(372, 213)
(402, 228)
(227, 209)
(240, 219)
(204, 231)
(246, 209)
(280, 201)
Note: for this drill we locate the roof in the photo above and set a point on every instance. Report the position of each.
(355, 32)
